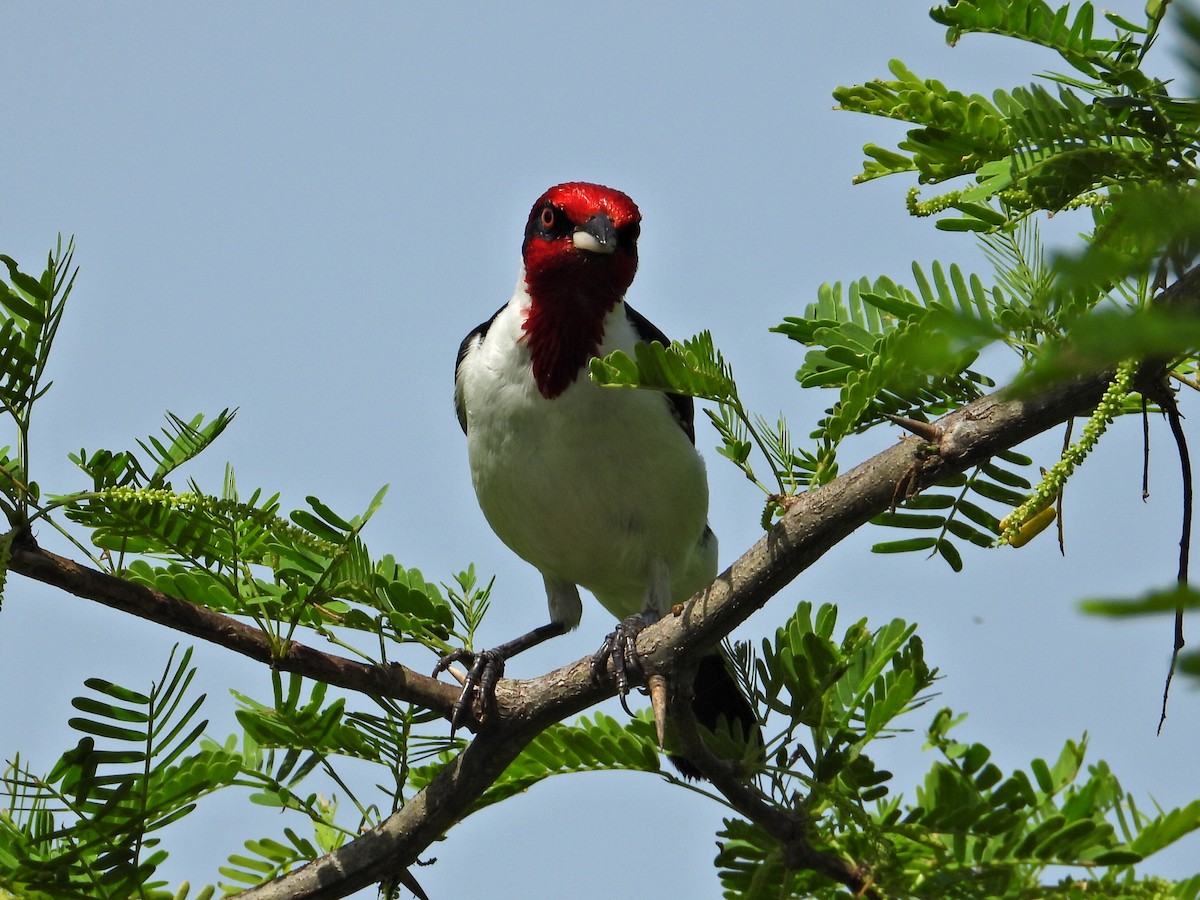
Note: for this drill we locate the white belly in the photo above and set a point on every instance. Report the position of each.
(595, 487)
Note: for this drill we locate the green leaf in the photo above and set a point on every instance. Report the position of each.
(997, 493)
(950, 553)
(964, 224)
(1117, 858)
(908, 520)
(103, 729)
(26, 283)
(1033, 21)
(18, 306)
(907, 546)
(1166, 600)
(116, 691)
(693, 368)
(184, 441)
(89, 705)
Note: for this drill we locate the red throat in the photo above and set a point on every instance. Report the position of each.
(562, 335)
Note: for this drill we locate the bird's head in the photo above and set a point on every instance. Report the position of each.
(581, 239)
(580, 254)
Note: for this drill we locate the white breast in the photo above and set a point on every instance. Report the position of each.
(596, 487)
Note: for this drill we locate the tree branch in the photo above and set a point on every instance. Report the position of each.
(817, 522)
(394, 680)
(790, 829)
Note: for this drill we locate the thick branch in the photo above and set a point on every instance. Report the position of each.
(387, 681)
(818, 521)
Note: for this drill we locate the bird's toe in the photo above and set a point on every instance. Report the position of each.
(484, 669)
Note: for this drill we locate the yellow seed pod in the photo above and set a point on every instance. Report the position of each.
(1037, 523)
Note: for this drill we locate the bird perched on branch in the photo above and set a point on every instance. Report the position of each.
(597, 487)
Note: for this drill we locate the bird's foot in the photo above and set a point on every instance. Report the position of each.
(484, 669)
(621, 648)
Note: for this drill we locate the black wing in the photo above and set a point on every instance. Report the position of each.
(469, 343)
(682, 406)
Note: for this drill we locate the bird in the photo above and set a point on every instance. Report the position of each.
(596, 487)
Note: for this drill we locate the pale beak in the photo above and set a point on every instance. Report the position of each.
(597, 235)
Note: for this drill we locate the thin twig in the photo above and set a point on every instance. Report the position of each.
(1145, 451)
(790, 829)
(1166, 399)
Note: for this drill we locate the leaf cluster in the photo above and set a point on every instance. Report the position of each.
(973, 831)
(970, 830)
(287, 740)
(30, 312)
(311, 569)
(90, 827)
(1108, 123)
(834, 696)
(1110, 138)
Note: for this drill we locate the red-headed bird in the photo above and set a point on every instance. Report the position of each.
(599, 488)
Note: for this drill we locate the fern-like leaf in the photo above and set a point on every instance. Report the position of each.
(137, 769)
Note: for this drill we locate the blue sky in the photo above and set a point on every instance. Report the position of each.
(300, 210)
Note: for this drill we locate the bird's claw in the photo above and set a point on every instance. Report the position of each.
(621, 648)
(484, 669)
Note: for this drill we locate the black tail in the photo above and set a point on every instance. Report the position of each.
(715, 693)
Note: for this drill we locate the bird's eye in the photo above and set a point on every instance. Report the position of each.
(547, 223)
